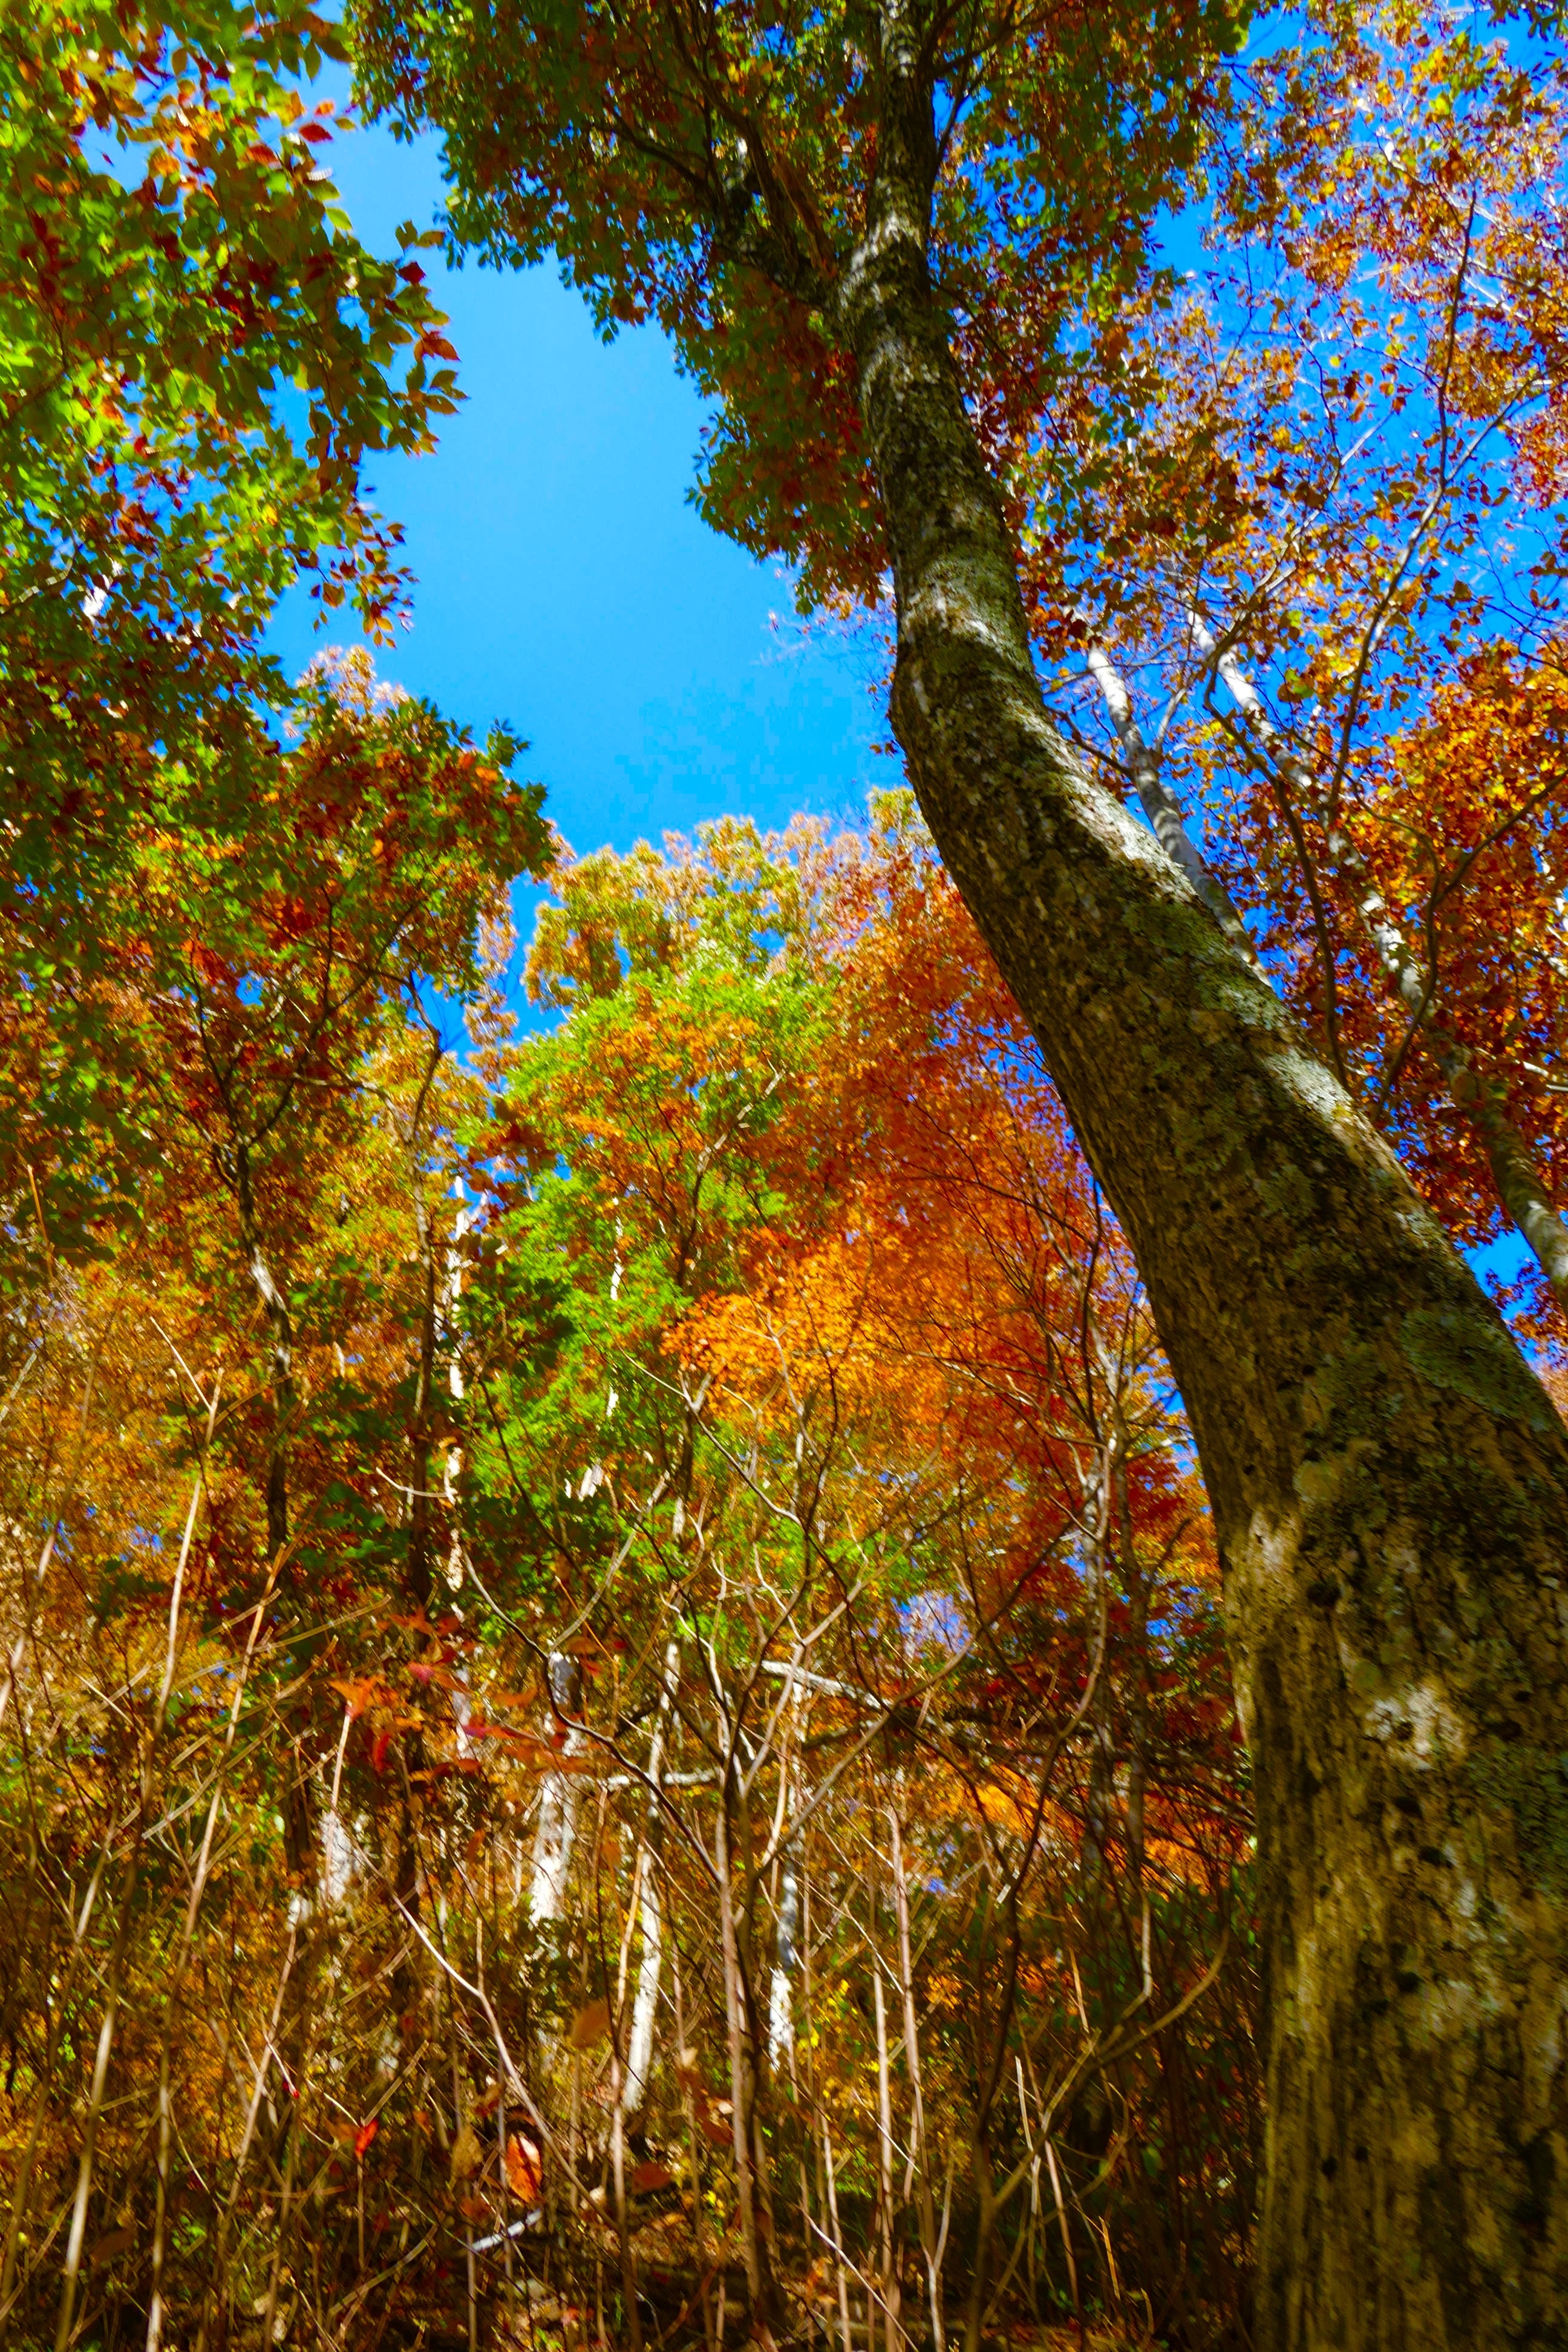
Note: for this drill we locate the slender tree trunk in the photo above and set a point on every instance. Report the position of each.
(752, 2181)
(918, 2171)
(645, 2008)
(280, 1343)
(694, 2154)
(740, 2134)
(419, 1495)
(421, 1531)
(1101, 1795)
(786, 1961)
(886, 2262)
(840, 2274)
(557, 1830)
(1135, 1584)
(1389, 1483)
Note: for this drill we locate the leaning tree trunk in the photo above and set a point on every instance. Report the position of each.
(1389, 1483)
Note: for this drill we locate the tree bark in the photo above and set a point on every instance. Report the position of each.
(645, 2008)
(280, 1334)
(1389, 1483)
(557, 1830)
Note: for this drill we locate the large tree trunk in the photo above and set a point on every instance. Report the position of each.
(1389, 1482)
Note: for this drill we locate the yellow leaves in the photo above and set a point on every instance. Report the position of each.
(465, 2155)
(590, 2024)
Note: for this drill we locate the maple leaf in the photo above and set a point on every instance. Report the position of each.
(360, 1693)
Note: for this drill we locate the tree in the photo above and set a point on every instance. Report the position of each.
(262, 995)
(781, 1330)
(1318, 591)
(845, 219)
(196, 356)
(841, 1333)
(285, 1056)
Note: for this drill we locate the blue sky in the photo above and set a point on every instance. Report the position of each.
(566, 586)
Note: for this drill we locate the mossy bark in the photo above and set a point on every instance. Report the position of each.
(1389, 1482)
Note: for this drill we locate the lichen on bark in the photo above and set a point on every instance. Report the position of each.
(1390, 1484)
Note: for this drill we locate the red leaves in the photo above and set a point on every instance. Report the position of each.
(646, 2178)
(356, 2138)
(214, 969)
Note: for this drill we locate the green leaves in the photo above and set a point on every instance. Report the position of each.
(717, 172)
(194, 357)
(197, 354)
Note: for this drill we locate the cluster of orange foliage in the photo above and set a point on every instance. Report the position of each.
(726, 1467)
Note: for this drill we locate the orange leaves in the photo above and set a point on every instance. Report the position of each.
(363, 1692)
(812, 1143)
(1462, 822)
(524, 2172)
(369, 1696)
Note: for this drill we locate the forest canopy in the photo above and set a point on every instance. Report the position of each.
(684, 1639)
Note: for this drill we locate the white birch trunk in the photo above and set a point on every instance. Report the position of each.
(557, 1828)
(645, 2008)
(781, 1991)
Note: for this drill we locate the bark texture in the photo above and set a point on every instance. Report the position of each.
(557, 1828)
(1389, 1482)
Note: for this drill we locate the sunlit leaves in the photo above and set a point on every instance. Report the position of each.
(196, 356)
(712, 169)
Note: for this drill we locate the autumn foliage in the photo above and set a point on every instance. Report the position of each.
(726, 1468)
(614, 1725)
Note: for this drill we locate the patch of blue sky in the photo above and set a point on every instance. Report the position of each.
(566, 584)
(935, 1619)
